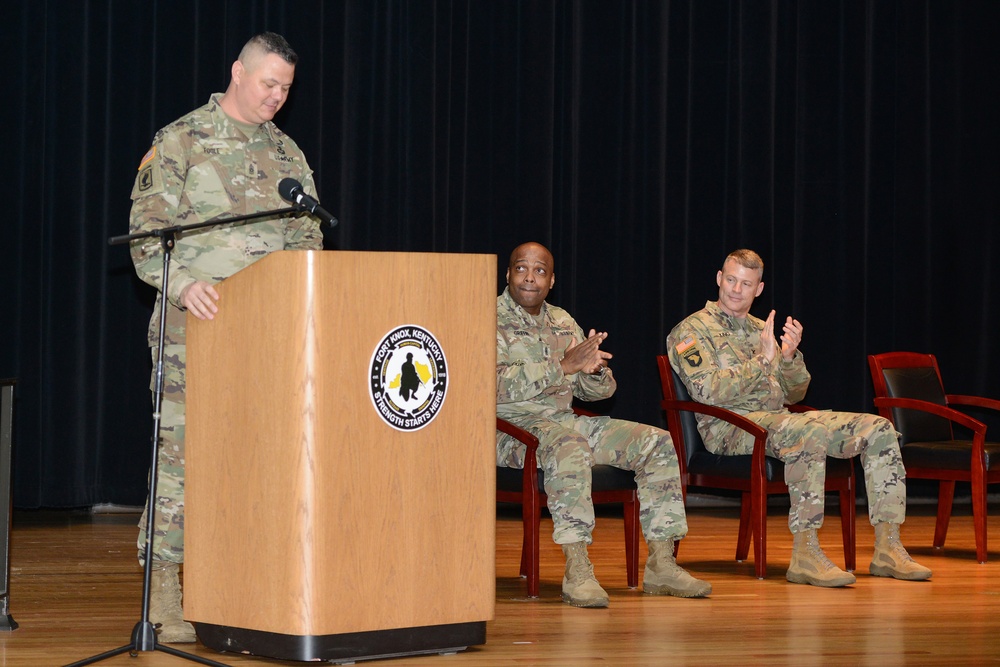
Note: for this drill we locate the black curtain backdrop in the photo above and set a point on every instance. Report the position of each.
(852, 143)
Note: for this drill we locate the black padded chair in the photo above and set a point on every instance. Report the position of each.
(909, 393)
(526, 487)
(755, 475)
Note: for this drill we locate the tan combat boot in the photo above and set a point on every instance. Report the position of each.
(165, 605)
(811, 566)
(580, 587)
(663, 576)
(890, 558)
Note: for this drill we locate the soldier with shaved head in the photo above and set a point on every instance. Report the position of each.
(544, 360)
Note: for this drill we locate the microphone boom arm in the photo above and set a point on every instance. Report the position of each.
(173, 230)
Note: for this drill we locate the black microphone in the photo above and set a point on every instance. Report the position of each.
(291, 191)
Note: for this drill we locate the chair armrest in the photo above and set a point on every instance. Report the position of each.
(528, 440)
(798, 407)
(974, 401)
(977, 427)
(530, 443)
(759, 433)
(530, 472)
(725, 415)
(950, 414)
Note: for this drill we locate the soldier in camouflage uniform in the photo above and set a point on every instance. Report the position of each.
(728, 358)
(221, 160)
(543, 361)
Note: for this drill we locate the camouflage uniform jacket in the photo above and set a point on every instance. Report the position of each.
(530, 380)
(203, 166)
(718, 358)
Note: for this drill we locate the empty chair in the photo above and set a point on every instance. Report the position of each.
(909, 393)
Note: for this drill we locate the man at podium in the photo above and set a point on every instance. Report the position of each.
(221, 160)
(543, 361)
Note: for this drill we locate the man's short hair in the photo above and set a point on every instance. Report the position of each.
(269, 42)
(746, 258)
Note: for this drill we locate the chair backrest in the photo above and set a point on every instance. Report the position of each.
(682, 424)
(911, 375)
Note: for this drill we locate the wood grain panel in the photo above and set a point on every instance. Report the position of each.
(297, 490)
(76, 591)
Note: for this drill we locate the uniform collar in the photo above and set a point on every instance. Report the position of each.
(747, 324)
(515, 307)
(226, 128)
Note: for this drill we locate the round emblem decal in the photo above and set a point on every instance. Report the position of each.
(409, 378)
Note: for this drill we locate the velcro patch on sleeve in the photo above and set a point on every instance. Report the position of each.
(149, 180)
(688, 350)
(684, 344)
(150, 154)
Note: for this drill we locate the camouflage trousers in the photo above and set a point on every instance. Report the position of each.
(569, 446)
(802, 441)
(168, 528)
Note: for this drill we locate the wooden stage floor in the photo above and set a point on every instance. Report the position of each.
(76, 591)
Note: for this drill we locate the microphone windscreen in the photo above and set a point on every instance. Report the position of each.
(287, 188)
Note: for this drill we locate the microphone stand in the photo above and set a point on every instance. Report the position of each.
(144, 634)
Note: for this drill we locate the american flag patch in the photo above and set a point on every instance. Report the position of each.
(684, 344)
(150, 154)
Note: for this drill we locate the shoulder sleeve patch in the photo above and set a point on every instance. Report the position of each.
(149, 180)
(688, 350)
(684, 344)
(150, 154)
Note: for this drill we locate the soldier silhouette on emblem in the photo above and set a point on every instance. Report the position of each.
(409, 382)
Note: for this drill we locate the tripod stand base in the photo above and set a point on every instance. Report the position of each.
(347, 647)
(143, 641)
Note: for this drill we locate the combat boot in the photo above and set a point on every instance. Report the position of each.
(663, 576)
(580, 587)
(890, 558)
(165, 605)
(811, 566)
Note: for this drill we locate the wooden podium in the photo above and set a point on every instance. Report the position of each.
(338, 505)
